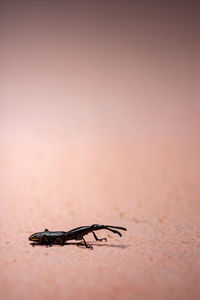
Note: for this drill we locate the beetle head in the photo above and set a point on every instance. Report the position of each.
(34, 237)
(97, 226)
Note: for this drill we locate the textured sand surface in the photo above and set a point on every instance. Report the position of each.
(154, 193)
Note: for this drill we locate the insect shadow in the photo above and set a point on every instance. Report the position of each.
(82, 245)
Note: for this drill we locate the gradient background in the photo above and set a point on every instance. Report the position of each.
(99, 123)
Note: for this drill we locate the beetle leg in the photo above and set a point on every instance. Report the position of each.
(97, 239)
(49, 245)
(86, 245)
(60, 241)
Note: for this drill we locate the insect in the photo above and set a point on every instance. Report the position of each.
(50, 238)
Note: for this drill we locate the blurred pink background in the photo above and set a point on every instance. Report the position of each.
(99, 118)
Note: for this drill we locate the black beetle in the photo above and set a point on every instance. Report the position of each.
(50, 238)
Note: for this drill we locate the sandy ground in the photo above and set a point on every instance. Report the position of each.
(152, 190)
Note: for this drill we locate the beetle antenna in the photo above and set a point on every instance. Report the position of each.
(117, 227)
(114, 231)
